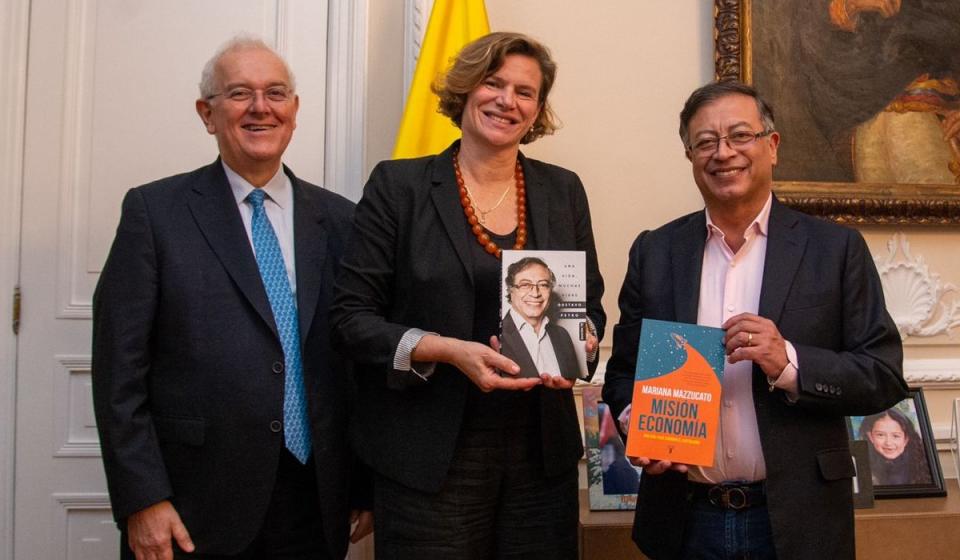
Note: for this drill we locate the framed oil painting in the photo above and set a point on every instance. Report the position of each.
(901, 449)
(866, 96)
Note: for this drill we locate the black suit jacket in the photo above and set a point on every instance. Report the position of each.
(410, 265)
(820, 287)
(187, 363)
(512, 346)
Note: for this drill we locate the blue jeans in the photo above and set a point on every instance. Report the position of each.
(714, 533)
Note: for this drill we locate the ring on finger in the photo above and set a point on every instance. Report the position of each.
(749, 339)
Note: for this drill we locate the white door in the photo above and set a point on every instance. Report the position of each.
(109, 105)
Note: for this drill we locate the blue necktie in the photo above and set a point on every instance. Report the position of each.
(296, 430)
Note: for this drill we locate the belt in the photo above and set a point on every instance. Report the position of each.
(730, 495)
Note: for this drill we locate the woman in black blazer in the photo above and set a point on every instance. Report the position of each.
(469, 463)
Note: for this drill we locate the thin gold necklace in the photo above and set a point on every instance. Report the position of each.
(481, 213)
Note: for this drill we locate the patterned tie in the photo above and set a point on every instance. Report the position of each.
(296, 430)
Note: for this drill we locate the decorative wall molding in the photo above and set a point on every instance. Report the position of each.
(344, 147)
(14, 35)
(76, 428)
(73, 301)
(280, 26)
(83, 526)
(915, 294)
(933, 374)
(416, 17)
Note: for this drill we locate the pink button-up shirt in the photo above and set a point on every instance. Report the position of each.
(730, 284)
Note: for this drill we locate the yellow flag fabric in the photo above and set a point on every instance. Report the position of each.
(453, 24)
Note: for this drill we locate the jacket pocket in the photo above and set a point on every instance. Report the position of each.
(180, 429)
(836, 464)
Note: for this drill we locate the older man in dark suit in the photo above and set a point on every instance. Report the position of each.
(220, 405)
(808, 339)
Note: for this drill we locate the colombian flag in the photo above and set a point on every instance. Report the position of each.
(453, 24)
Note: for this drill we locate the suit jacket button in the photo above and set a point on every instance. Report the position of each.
(277, 367)
(276, 426)
(819, 386)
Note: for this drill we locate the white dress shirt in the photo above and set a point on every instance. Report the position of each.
(278, 205)
(539, 345)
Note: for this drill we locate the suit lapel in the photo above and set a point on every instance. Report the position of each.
(446, 197)
(686, 257)
(215, 210)
(310, 250)
(786, 244)
(538, 205)
(514, 348)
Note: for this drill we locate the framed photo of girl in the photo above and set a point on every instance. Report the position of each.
(901, 448)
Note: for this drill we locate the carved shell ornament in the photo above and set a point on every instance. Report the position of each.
(914, 294)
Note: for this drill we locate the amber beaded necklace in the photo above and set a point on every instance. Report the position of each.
(478, 230)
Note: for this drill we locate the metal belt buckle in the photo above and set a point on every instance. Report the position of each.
(732, 497)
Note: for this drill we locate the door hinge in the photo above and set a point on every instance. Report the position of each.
(16, 310)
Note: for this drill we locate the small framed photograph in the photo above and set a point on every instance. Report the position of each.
(955, 435)
(613, 481)
(901, 449)
(862, 480)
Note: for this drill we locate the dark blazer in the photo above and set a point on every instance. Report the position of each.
(512, 346)
(822, 290)
(187, 363)
(409, 265)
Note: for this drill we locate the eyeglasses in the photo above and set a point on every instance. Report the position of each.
(274, 94)
(736, 140)
(527, 287)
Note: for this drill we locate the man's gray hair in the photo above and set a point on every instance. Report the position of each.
(208, 77)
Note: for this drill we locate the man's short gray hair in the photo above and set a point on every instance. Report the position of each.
(208, 77)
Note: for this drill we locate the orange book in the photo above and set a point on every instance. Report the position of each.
(675, 413)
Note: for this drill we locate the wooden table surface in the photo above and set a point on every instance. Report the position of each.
(901, 529)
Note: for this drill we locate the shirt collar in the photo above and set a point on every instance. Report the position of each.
(277, 188)
(522, 323)
(760, 224)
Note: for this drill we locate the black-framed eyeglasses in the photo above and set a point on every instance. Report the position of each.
(527, 287)
(736, 140)
(274, 94)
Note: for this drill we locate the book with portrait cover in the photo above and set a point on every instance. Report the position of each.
(675, 412)
(543, 325)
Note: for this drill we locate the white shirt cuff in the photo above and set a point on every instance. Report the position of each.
(402, 360)
(787, 380)
(592, 356)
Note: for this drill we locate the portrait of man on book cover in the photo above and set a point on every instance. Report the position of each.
(543, 322)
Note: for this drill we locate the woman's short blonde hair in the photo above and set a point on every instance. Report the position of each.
(480, 59)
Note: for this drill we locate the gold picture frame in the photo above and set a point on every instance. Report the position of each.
(845, 202)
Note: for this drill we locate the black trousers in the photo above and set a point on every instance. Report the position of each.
(495, 503)
(292, 528)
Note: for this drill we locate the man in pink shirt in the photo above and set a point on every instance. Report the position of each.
(808, 340)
